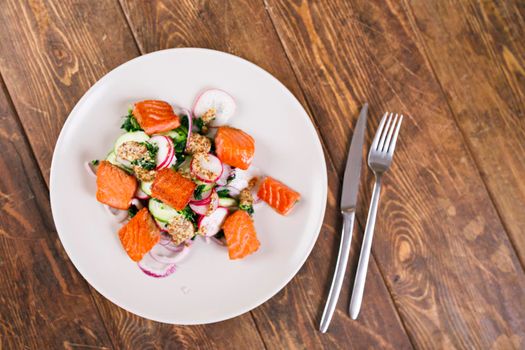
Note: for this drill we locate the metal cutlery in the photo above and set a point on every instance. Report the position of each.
(348, 205)
(379, 160)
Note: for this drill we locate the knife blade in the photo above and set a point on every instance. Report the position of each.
(353, 163)
(348, 204)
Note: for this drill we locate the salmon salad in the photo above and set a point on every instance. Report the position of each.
(176, 175)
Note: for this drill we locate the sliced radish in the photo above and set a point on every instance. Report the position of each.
(239, 179)
(141, 194)
(219, 100)
(166, 150)
(200, 209)
(223, 179)
(206, 167)
(210, 225)
(137, 203)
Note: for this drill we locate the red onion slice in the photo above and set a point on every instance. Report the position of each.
(91, 169)
(117, 214)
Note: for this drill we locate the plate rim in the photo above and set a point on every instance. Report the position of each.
(67, 125)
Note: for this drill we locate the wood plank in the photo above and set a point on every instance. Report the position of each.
(438, 240)
(61, 49)
(35, 271)
(291, 318)
(479, 57)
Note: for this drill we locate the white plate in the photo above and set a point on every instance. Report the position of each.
(207, 287)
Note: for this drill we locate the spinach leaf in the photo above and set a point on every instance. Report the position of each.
(152, 149)
(95, 162)
(130, 123)
(224, 193)
(132, 211)
(199, 123)
(198, 191)
(247, 208)
(146, 164)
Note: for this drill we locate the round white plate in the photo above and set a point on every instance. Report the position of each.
(207, 287)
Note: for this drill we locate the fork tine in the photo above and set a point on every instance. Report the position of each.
(384, 132)
(389, 135)
(378, 132)
(392, 146)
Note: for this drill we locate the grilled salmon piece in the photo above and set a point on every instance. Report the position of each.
(115, 187)
(240, 234)
(139, 235)
(234, 147)
(172, 188)
(155, 116)
(279, 196)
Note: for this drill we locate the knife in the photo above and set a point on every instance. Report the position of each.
(348, 205)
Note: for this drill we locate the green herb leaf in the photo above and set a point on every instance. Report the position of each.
(132, 211)
(224, 193)
(130, 123)
(247, 208)
(199, 123)
(152, 149)
(189, 215)
(95, 162)
(198, 191)
(146, 164)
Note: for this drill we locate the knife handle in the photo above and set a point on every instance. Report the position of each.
(340, 267)
(364, 256)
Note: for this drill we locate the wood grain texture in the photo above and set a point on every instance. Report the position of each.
(449, 265)
(34, 269)
(59, 49)
(290, 319)
(478, 55)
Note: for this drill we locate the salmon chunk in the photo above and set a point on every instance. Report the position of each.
(234, 147)
(139, 235)
(115, 187)
(172, 188)
(155, 116)
(279, 196)
(240, 234)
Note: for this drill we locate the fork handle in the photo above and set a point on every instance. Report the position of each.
(340, 267)
(362, 267)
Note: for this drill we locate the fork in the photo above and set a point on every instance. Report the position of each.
(379, 160)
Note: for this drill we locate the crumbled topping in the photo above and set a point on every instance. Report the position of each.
(198, 169)
(245, 198)
(180, 229)
(132, 150)
(213, 203)
(253, 181)
(198, 144)
(209, 115)
(143, 174)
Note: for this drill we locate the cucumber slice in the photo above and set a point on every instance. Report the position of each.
(176, 135)
(161, 211)
(146, 187)
(207, 186)
(112, 158)
(227, 202)
(138, 136)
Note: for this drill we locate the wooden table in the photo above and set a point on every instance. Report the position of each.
(449, 249)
